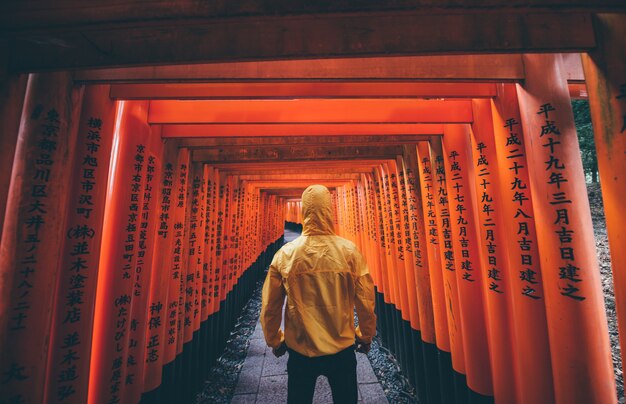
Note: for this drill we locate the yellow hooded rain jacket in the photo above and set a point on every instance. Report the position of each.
(324, 277)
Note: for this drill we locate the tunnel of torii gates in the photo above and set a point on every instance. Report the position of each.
(144, 203)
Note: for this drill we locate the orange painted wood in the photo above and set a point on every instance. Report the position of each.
(140, 323)
(75, 295)
(448, 258)
(421, 265)
(157, 314)
(119, 254)
(465, 242)
(299, 89)
(492, 230)
(176, 273)
(604, 71)
(33, 231)
(433, 245)
(405, 290)
(577, 326)
(533, 363)
(310, 111)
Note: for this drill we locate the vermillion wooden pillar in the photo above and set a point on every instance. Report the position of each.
(605, 75)
(176, 272)
(414, 236)
(156, 337)
(140, 323)
(448, 260)
(533, 364)
(12, 91)
(72, 315)
(458, 164)
(113, 318)
(33, 227)
(577, 327)
(433, 246)
(494, 266)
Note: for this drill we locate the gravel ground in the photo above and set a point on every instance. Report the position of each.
(222, 380)
(604, 259)
(387, 370)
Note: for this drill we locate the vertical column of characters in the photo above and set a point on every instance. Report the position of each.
(495, 267)
(200, 251)
(371, 220)
(605, 77)
(214, 274)
(382, 237)
(392, 259)
(241, 226)
(72, 316)
(533, 365)
(113, 311)
(234, 235)
(432, 242)
(207, 172)
(576, 316)
(450, 286)
(416, 233)
(33, 226)
(186, 188)
(404, 248)
(174, 270)
(193, 243)
(457, 161)
(159, 299)
(219, 241)
(227, 231)
(143, 269)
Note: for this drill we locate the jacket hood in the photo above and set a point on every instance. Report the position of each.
(317, 213)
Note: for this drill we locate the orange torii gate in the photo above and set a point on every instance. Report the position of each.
(139, 217)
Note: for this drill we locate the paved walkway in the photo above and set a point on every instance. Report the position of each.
(263, 378)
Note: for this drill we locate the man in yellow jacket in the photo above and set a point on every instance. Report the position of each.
(324, 278)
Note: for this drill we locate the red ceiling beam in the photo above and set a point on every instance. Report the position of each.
(289, 129)
(311, 111)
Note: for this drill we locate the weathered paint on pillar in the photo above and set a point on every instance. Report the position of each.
(33, 227)
(12, 92)
(579, 342)
(494, 266)
(72, 318)
(459, 172)
(605, 75)
(449, 267)
(526, 283)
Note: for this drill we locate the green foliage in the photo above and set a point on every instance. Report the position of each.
(582, 118)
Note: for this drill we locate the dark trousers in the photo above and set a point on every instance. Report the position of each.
(340, 369)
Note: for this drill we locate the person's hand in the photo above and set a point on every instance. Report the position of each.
(363, 347)
(280, 351)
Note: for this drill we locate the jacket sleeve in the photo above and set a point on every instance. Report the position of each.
(272, 309)
(364, 301)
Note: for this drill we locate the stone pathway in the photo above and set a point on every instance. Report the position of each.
(263, 378)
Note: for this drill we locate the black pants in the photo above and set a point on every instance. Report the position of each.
(340, 369)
